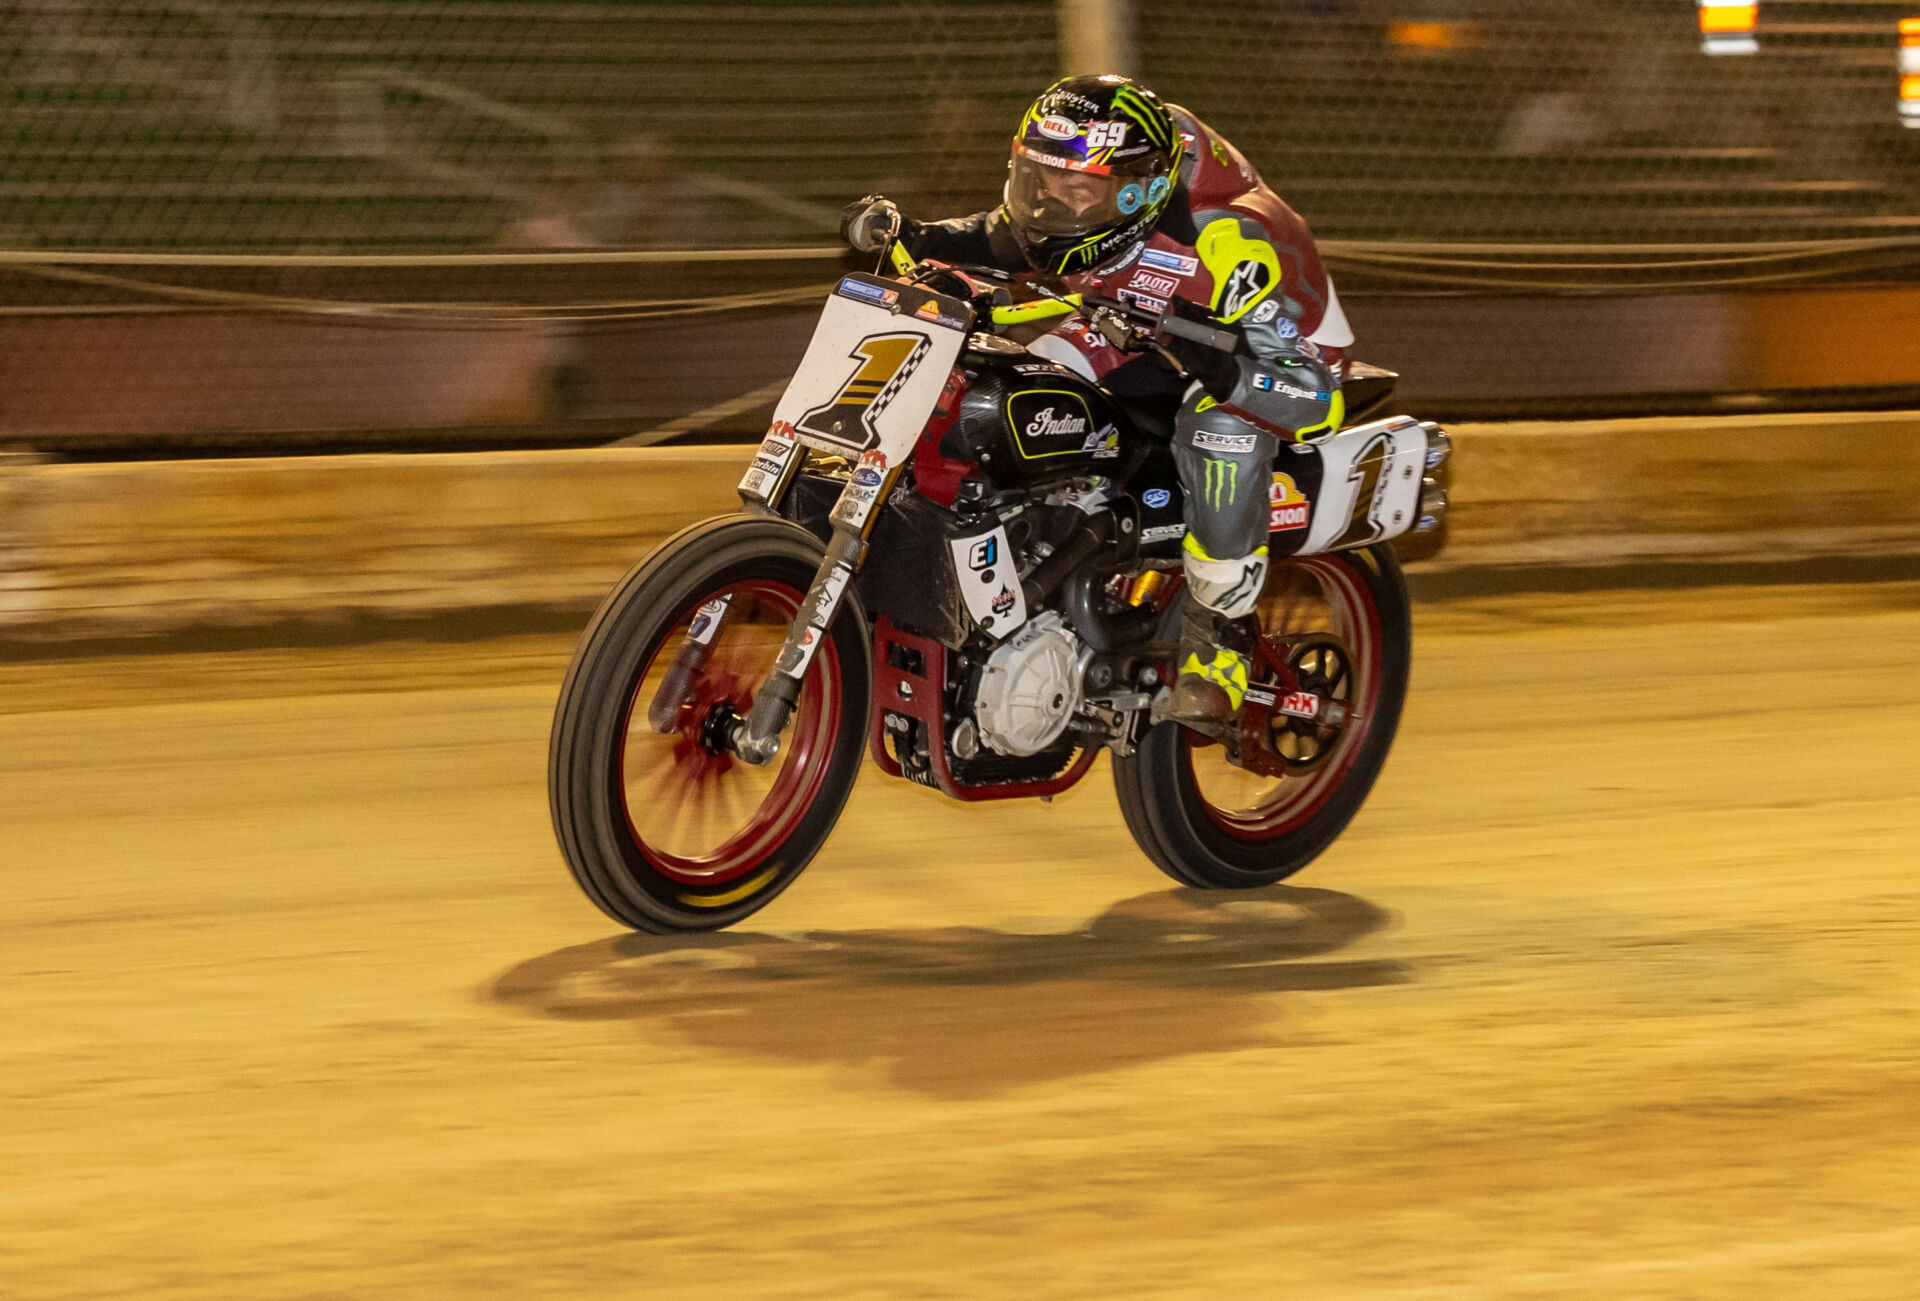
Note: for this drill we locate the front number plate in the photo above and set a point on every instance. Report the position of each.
(875, 368)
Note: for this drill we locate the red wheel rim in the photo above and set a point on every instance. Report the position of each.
(702, 818)
(1250, 807)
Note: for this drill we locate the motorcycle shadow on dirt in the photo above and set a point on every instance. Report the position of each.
(969, 1012)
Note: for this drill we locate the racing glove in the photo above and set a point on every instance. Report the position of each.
(869, 224)
(1217, 369)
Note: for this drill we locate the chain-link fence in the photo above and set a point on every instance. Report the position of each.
(381, 208)
(439, 124)
(436, 124)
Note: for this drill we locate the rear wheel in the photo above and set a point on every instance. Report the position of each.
(1341, 622)
(663, 827)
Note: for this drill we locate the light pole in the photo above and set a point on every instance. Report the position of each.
(1096, 36)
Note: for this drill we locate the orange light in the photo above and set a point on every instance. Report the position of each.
(1426, 36)
(1910, 88)
(1910, 31)
(1729, 20)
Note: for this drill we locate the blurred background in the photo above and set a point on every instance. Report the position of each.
(300, 225)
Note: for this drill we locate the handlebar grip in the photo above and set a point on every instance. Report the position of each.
(1223, 340)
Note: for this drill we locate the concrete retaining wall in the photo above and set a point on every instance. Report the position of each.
(130, 548)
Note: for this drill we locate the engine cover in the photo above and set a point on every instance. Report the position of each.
(1030, 687)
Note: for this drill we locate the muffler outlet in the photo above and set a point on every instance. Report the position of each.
(1429, 533)
(1439, 454)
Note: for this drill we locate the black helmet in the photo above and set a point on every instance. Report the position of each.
(1093, 166)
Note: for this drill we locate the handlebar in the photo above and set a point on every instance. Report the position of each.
(1156, 324)
(1206, 335)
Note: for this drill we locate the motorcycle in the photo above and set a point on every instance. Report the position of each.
(963, 559)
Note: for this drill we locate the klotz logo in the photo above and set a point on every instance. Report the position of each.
(1147, 282)
(1054, 126)
(1289, 508)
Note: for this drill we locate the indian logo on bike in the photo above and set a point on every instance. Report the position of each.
(887, 362)
(1049, 422)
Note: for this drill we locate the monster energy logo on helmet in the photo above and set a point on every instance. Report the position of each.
(1155, 123)
(1094, 165)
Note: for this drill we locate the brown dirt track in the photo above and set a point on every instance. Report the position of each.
(1610, 991)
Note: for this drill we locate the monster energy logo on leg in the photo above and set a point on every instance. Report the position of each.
(1223, 482)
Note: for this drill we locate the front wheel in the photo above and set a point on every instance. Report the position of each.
(1341, 622)
(663, 827)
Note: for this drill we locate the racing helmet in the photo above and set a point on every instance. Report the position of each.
(1093, 167)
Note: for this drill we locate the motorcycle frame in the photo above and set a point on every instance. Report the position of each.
(756, 738)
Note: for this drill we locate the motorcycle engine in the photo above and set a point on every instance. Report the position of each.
(1030, 687)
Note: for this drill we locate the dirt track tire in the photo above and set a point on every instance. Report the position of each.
(621, 790)
(1190, 835)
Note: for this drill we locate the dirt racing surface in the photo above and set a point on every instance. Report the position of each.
(1611, 990)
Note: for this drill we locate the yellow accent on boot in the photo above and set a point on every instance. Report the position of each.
(1228, 671)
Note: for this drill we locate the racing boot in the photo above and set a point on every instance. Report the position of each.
(1216, 639)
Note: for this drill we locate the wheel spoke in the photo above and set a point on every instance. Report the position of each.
(1314, 608)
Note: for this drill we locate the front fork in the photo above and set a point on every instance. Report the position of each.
(756, 738)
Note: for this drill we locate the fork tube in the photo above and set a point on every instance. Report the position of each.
(756, 738)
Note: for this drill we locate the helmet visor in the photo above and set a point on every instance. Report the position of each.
(1059, 200)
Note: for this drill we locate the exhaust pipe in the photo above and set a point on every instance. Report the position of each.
(1429, 533)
